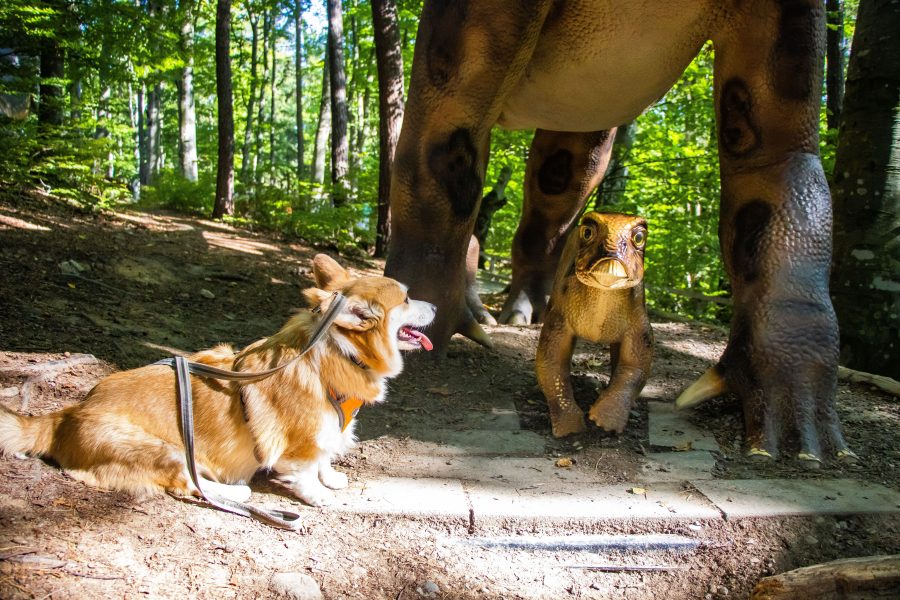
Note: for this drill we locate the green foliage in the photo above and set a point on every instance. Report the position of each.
(117, 51)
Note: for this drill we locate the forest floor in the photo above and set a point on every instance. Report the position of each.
(132, 287)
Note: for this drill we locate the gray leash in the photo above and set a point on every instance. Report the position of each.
(183, 368)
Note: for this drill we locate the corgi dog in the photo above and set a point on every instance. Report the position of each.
(126, 436)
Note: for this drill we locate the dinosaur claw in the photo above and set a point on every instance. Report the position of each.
(474, 332)
(809, 460)
(760, 454)
(847, 456)
(710, 385)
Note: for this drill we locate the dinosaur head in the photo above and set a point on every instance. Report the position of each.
(610, 250)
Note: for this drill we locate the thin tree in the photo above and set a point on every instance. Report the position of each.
(247, 146)
(225, 169)
(261, 109)
(272, 84)
(834, 61)
(323, 125)
(864, 284)
(389, 60)
(187, 117)
(340, 144)
(298, 81)
(52, 72)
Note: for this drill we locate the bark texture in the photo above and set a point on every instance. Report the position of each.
(225, 169)
(340, 143)
(834, 62)
(389, 60)
(188, 118)
(298, 82)
(865, 282)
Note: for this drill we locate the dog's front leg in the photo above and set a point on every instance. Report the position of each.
(302, 478)
(331, 478)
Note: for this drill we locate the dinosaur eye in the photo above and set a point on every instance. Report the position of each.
(638, 237)
(587, 233)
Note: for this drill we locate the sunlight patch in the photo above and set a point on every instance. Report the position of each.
(239, 244)
(20, 224)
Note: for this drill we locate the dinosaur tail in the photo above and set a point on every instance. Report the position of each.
(20, 434)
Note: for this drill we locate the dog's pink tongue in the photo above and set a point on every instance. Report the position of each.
(421, 337)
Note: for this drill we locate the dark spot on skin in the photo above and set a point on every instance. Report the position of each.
(750, 226)
(738, 132)
(555, 173)
(444, 50)
(798, 49)
(453, 165)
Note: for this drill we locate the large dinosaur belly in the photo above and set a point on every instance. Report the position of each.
(599, 64)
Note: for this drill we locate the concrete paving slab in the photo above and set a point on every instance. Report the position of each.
(669, 429)
(503, 418)
(481, 442)
(405, 496)
(678, 466)
(786, 497)
(513, 472)
(579, 502)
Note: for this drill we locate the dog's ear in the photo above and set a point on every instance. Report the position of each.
(356, 315)
(329, 274)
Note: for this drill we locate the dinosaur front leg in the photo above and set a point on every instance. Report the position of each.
(562, 170)
(631, 362)
(775, 231)
(467, 58)
(552, 365)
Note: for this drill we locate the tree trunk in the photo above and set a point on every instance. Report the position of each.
(834, 65)
(154, 133)
(143, 157)
(50, 108)
(274, 45)
(188, 120)
(611, 190)
(225, 169)
(261, 109)
(389, 60)
(323, 125)
(247, 146)
(340, 145)
(298, 82)
(865, 281)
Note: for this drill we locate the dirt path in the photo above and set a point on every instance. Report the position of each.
(129, 289)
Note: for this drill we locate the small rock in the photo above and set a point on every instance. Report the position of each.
(811, 540)
(695, 527)
(207, 294)
(10, 392)
(430, 588)
(358, 572)
(295, 586)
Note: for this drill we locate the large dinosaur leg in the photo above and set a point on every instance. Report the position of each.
(553, 367)
(562, 170)
(775, 232)
(467, 58)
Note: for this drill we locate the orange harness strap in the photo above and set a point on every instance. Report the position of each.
(346, 407)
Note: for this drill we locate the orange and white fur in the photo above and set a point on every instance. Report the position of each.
(125, 435)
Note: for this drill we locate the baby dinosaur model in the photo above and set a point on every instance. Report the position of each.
(598, 295)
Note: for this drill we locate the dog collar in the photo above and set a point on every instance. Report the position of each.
(346, 407)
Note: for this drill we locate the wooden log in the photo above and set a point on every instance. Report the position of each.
(891, 386)
(845, 579)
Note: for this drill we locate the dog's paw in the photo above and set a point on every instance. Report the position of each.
(315, 495)
(334, 479)
(235, 493)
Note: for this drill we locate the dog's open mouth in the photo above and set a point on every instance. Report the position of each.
(413, 338)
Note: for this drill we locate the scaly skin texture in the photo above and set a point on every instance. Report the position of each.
(588, 67)
(604, 308)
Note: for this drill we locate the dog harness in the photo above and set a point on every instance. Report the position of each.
(346, 407)
(183, 369)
